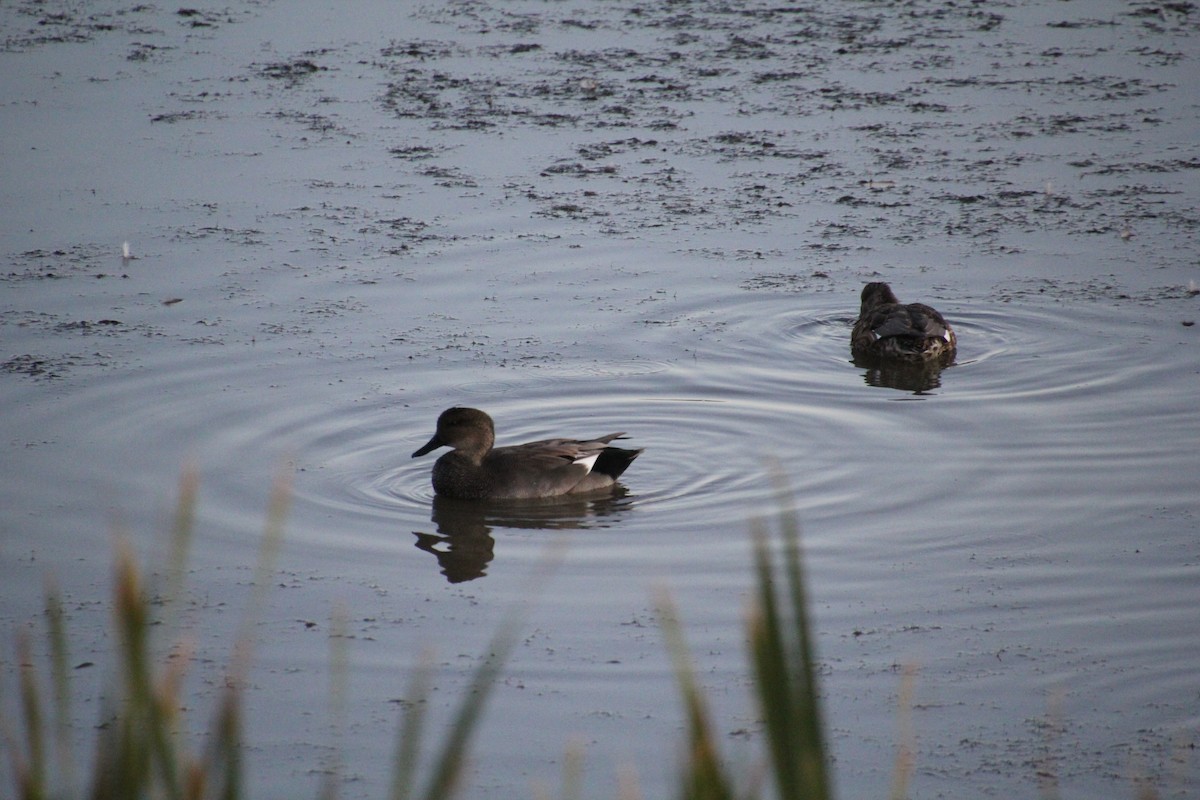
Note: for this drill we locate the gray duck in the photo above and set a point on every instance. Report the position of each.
(475, 469)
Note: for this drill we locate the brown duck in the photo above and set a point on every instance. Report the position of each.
(890, 331)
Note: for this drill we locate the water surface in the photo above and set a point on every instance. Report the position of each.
(586, 218)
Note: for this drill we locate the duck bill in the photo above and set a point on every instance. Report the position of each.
(432, 444)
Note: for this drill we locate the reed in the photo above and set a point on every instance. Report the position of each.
(784, 661)
(783, 667)
(142, 750)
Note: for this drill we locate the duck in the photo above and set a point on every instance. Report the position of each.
(890, 331)
(475, 469)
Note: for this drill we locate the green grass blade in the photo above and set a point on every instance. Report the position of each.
(33, 770)
(60, 672)
(772, 676)
(702, 776)
(785, 664)
(408, 741)
(905, 749)
(339, 674)
(145, 745)
(453, 755)
(181, 540)
(226, 761)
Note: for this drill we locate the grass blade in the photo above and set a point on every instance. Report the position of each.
(64, 763)
(32, 771)
(785, 665)
(703, 776)
(408, 741)
(452, 758)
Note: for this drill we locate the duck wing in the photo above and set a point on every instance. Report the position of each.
(558, 466)
(557, 452)
(915, 320)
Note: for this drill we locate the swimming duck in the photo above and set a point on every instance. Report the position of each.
(887, 330)
(475, 470)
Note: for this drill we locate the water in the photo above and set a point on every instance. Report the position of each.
(588, 218)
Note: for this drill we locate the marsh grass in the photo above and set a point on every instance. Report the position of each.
(783, 669)
(143, 750)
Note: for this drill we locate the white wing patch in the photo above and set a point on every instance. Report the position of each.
(587, 461)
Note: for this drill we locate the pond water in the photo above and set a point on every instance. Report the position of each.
(649, 217)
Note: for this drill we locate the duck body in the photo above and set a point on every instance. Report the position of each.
(476, 470)
(890, 331)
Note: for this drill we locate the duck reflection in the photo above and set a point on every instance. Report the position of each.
(917, 378)
(463, 544)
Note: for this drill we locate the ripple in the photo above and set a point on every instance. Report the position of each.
(554, 374)
(1036, 350)
(1046, 353)
(768, 382)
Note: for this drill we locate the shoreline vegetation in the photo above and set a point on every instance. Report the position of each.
(142, 749)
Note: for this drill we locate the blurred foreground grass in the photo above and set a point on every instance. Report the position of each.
(142, 751)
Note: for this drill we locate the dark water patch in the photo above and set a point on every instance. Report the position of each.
(91, 259)
(46, 367)
(32, 25)
(199, 18)
(292, 72)
(1087, 88)
(413, 152)
(1171, 166)
(145, 52)
(1093, 290)
(181, 116)
(315, 123)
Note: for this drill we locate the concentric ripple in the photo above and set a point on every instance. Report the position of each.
(768, 387)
